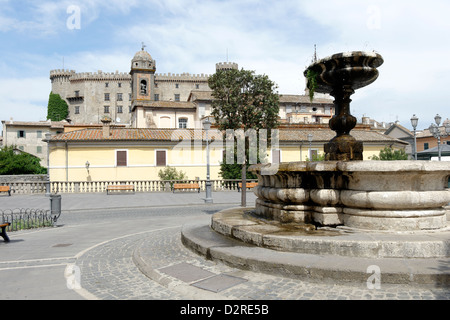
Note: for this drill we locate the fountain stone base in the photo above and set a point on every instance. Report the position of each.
(370, 195)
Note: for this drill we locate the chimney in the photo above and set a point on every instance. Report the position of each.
(106, 127)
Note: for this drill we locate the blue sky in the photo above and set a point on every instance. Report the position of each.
(276, 38)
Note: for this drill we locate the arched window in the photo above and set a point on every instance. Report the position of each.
(143, 87)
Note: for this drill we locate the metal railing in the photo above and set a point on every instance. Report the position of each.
(20, 219)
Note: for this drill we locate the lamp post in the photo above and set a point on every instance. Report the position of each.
(48, 135)
(310, 138)
(414, 122)
(436, 132)
(208, 199)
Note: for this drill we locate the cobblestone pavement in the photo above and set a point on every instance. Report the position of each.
(91, 255)
(109, 273)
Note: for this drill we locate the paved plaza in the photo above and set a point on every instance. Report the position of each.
(97, 250)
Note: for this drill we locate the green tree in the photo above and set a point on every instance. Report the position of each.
(243, 100)
(12, 163)
(170, 173)
(57, 109)
(390, 154)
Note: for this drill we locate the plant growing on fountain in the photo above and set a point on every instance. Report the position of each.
(311, 83)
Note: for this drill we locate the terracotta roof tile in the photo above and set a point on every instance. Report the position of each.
(133, 134)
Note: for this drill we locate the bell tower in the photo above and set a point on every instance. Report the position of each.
(142, 72)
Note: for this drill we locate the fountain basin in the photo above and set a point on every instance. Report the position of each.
(369, 195)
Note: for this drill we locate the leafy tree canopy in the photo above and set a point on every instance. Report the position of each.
(57, 109)
(243, 100)
(390, 154)
(12, 163)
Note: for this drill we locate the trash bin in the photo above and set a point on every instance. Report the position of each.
(55, 206)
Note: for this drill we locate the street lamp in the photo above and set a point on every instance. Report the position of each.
(310, 138)
(436, 132)
(207, 126)
(87, 164)
(48, 136)
(414, 122)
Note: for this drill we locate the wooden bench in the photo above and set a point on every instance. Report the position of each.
(181, 186)
(3, 232)
(120, 187)
(248, 185)
(5, 189)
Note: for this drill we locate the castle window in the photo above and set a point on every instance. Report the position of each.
(106, 96)
(105, 109)
(106, 84)
(143, 87)
(119, 97)
(77, 93)
(129, 97)
(156, 96)
(182, 123)
(129, 109)
(120, 85)
(197, 86)
(119, 109)
(77, 110)
(177, 85)
(177, 97)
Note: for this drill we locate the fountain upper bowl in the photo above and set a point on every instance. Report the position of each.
(356, 69)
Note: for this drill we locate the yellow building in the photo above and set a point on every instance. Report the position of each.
(111, 153)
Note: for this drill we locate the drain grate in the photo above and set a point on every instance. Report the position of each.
(218, 283)
(186, 272)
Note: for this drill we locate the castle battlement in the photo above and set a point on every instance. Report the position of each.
(226, 65)
(91, 76)
(101, 76)
(181, 77)
(61, 73)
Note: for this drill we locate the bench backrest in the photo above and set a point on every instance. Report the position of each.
(4, 188)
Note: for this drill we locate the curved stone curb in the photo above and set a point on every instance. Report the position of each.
(236, 223)
(184, 289)
(212, 245)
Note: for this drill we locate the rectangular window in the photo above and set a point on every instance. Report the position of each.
(21, 134)
(119, 97)
(177, 97)
(121, 158)
(106, 84)
(106, 96)
(161, 158)
(156, 96)
(105, 109)
(182, 123)
(425, 146)
(177, 85)
(129, 97)
(77, 110)
(39, 134)
(197, 86)
(38, 149)
(119, 109)
(120, 85)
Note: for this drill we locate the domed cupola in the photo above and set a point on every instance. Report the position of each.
(142, 60)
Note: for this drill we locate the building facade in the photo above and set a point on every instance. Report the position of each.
(143, 98)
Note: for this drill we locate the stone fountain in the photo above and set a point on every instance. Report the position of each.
(343, 207)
